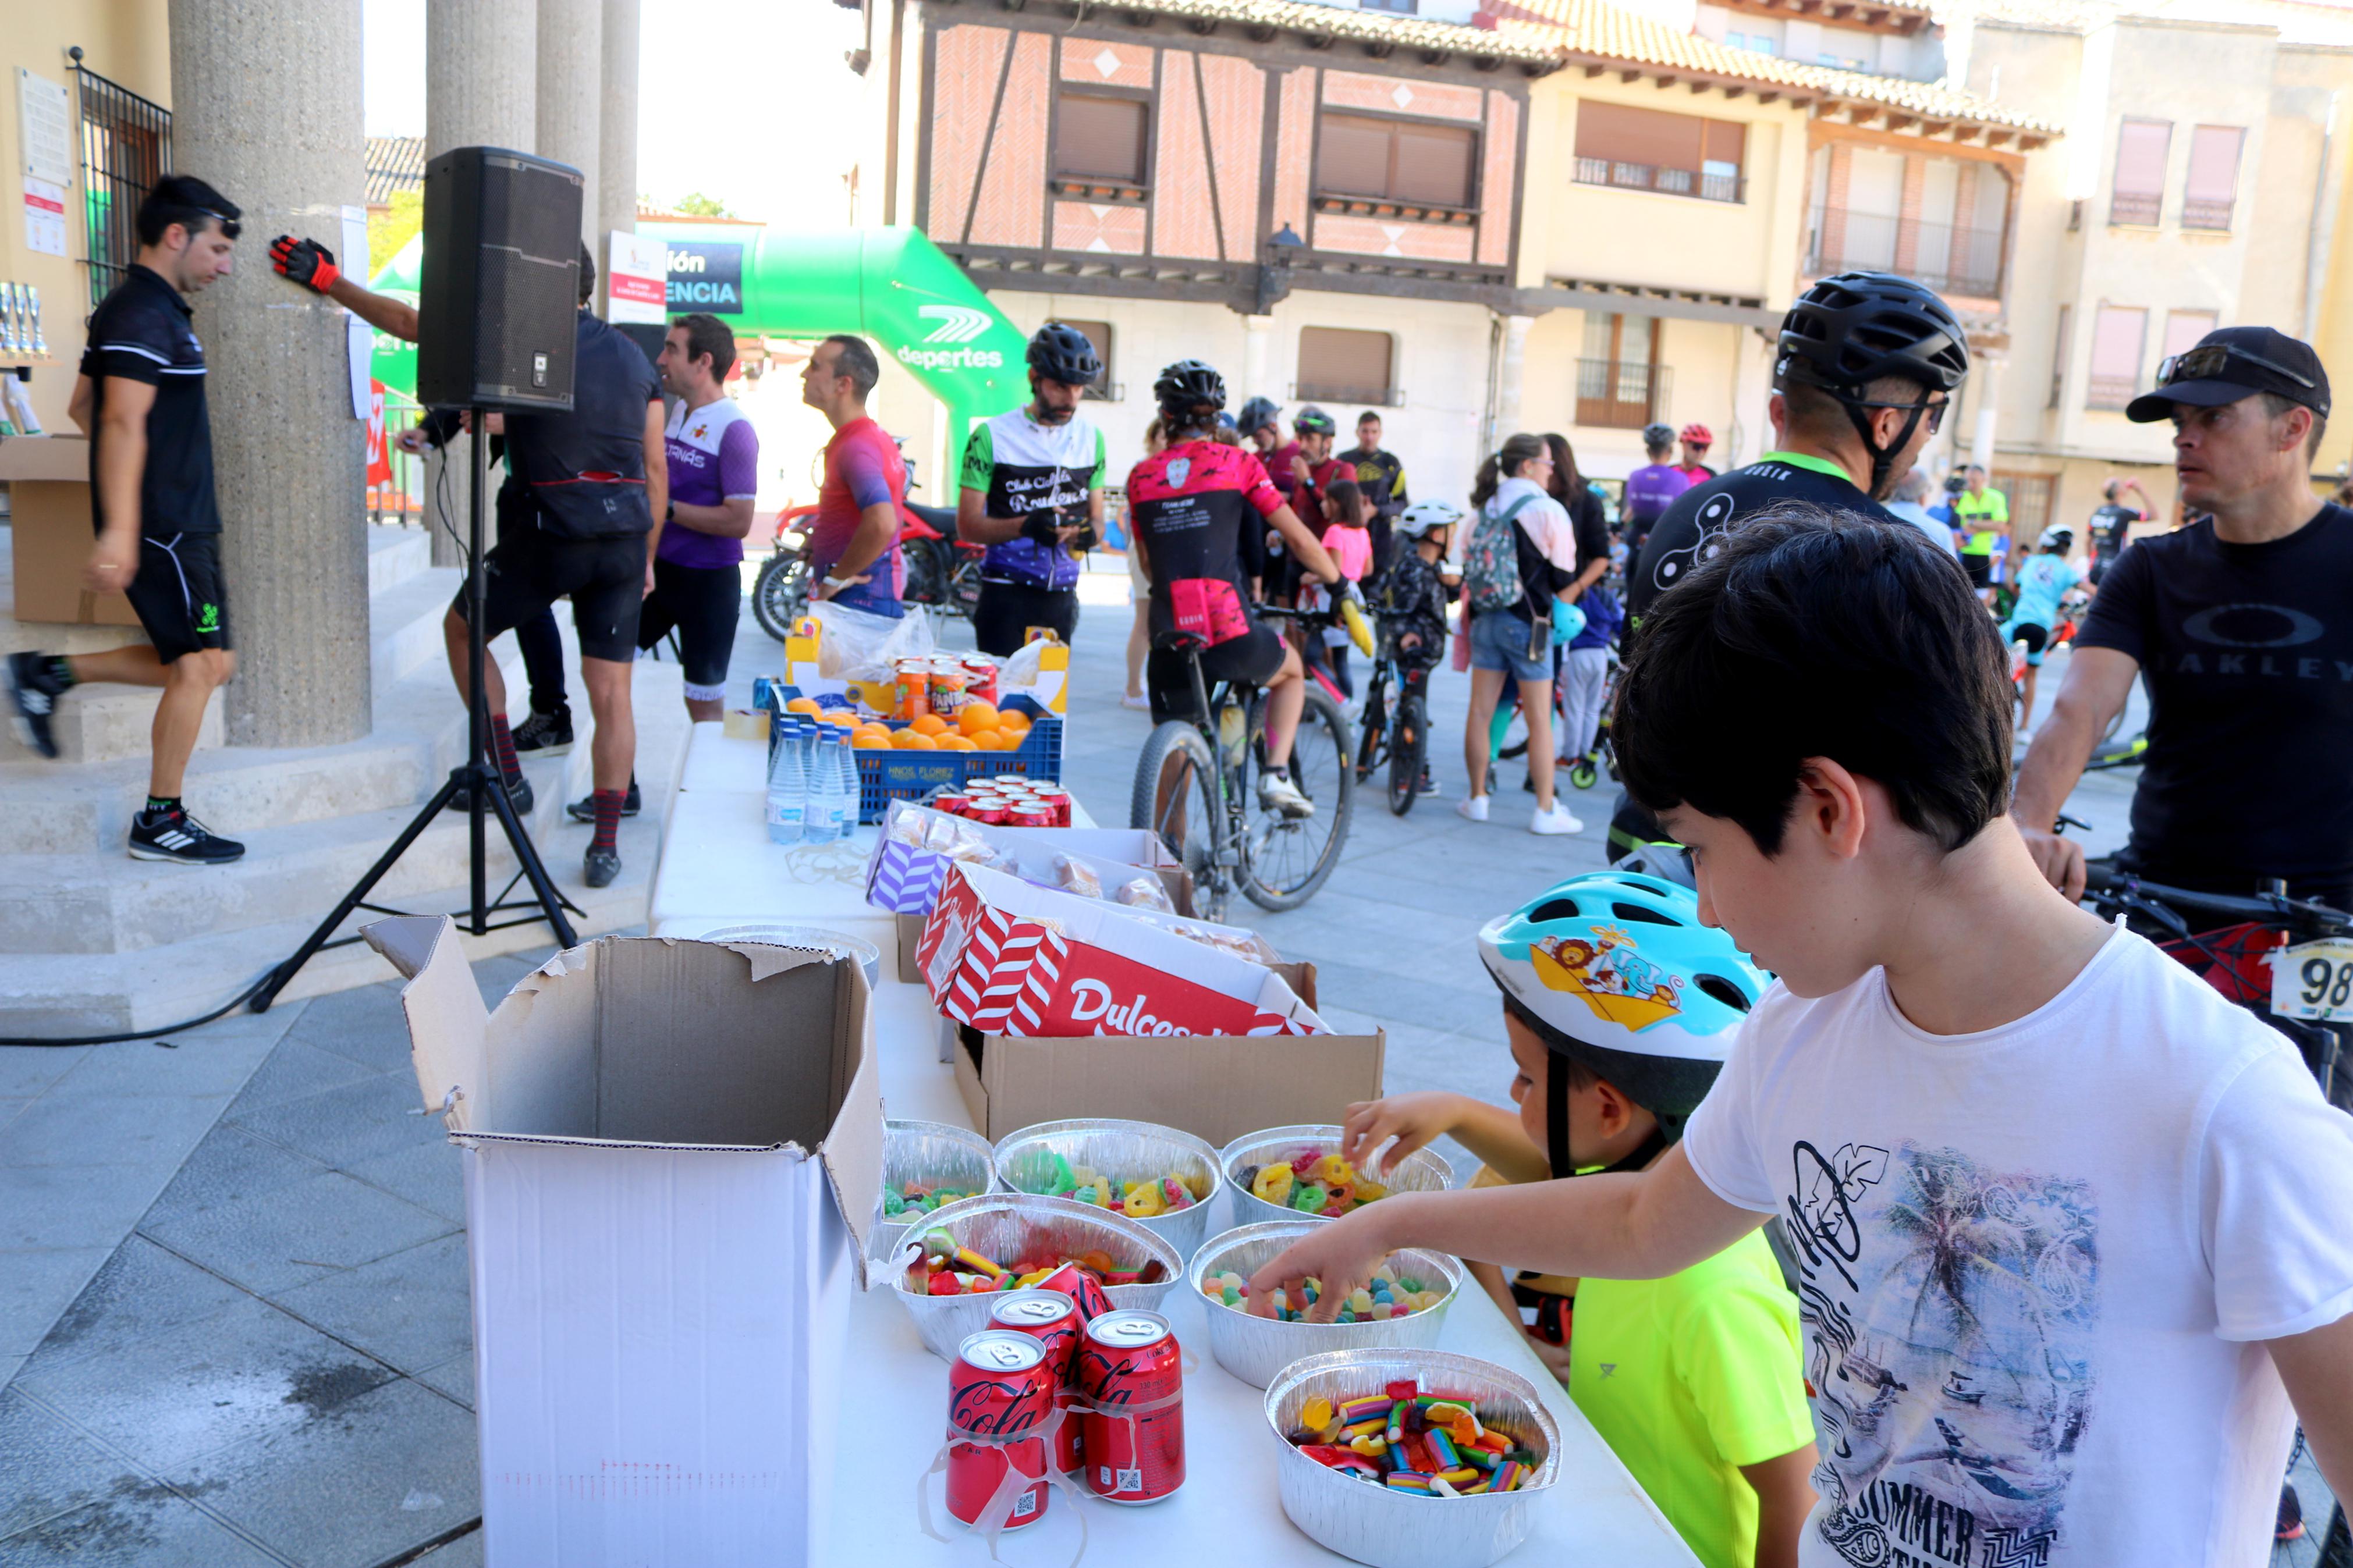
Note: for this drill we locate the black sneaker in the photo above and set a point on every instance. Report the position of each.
(544, 735)
(1428, 786)
(599, 867)
(518, 795)
(37, 692)
(585, 808)
(175, 836)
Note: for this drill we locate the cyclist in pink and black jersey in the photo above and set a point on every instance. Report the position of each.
(1188, 507)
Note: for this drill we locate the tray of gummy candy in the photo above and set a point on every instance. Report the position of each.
(968, 1253)
(1298, 1173)
(925, 1166)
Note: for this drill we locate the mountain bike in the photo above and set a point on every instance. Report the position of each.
(1399, 735)
(1194, 787)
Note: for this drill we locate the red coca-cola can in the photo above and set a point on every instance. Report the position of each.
(1060, 799)
(1081, 1287)
(988, 812)
(954, 805)
(1129, 1359)
(1031, 815)
(980, 678)
(1000, 1386)
(1053, 1320)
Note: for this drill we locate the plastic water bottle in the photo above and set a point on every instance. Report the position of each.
(851, 790)
(824, 816)
(787, 790)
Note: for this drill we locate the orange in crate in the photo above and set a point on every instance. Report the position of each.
(929, 724)
(974, 717)
(913, 740)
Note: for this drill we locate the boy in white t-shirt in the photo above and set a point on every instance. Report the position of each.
(2076, 1235)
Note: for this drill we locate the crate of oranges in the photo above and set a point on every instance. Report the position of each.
(907, 759)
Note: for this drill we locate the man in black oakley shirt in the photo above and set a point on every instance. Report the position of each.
(2241, 626)
(141, 400)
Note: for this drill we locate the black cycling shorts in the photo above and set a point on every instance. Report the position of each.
(605, 579)
(2100, 564)
(1980, 568)
(1255, 657)
(2032, 634)
(178, 597)
(1002, 619)
(701, 603)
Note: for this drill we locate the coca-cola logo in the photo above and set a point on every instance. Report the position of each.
(1109, 1377)
(998, 1408)
(1091, 1003)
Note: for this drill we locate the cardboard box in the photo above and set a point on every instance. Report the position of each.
(1003, 954)
(1214, 1087)
(49, 517)
(905, 880)
(672, 1151)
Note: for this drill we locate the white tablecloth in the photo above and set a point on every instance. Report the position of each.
(717, 865)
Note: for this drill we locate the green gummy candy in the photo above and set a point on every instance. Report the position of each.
(1232, 1297)
(1309, 1199)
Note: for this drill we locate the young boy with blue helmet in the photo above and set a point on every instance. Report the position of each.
(1620, 1006)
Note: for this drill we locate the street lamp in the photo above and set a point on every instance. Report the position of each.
(1275, 272)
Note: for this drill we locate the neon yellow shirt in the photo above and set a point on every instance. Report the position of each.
(1991, 506)
(1690, 1377)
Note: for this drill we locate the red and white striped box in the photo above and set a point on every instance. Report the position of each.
(1008, 957)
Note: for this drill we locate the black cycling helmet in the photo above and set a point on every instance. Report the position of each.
(1185, 388)
(1658, 436)
(1853, 328)
(1314, 421)
(1258, 414)
(1064, 353)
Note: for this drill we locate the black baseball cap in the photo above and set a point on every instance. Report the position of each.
(2230, 363)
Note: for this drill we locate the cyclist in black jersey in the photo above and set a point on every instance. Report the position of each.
(1866, 365)
(2112, 524)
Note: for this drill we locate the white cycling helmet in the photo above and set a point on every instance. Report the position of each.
(2058, 536)
(1419, 520)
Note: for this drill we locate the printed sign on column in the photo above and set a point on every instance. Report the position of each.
(636, 267)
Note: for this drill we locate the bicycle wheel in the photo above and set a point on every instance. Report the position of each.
(1176, 795)
(780, 594)
(1283, 858)
(1375, 725)
(1584, 772)
(1407, 755)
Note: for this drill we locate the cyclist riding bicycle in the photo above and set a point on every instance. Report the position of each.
(1651, 488)
(1866, 365)
(2237, 627)
(1188, 506)
(1412, 597)
(1033, 481)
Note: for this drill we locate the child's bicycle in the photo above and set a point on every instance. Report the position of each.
(1195, 787)
(1586, 771)
(1399, 735)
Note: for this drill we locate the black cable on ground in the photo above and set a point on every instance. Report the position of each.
(231, 1005)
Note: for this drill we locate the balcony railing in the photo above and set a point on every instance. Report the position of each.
(2137, 209)
(2108, 391)
(2212, 213)
(1945, 257)
(1692, 183)
(1612, 395)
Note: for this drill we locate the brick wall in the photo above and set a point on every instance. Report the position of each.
(1498, 187)
(964, 84)
(1011, 208)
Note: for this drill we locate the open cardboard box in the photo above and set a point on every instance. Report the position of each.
(905, 880)
(1216, 1086)
(672, 1152)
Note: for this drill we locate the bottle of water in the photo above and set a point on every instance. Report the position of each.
(787, 789)
(832, 810)
(852, 789)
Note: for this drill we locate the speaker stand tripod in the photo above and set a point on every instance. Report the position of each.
(484, 785)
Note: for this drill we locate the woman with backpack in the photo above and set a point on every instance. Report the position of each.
(1521, 560)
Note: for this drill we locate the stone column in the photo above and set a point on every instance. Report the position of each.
(1511, 369)
(1258, 341)
(571, 80)
(289, 455)
(617, 139)
(482, 81)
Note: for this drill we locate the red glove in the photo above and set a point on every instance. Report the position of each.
(305, 261)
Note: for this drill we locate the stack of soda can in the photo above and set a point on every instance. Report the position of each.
(1007, 800)
(1117, 1377)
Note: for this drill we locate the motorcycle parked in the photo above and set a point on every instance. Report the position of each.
(943, 571)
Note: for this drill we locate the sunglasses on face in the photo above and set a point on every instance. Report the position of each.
(2201, 363)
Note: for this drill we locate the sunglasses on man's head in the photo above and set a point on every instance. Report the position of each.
(2211, 360)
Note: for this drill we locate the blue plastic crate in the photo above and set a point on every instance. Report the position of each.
(886, 776)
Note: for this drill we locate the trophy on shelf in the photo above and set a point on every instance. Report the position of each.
(9, 341)
(33, 308)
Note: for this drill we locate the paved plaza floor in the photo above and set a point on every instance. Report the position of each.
(234, 1324)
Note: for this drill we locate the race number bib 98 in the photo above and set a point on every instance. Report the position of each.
(2313, 980)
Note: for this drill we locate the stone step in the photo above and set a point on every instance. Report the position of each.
(104, 722)
(418, 735)
(68, 994)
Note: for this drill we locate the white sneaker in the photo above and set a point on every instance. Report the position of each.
(1555, 821)
(1142, 702)
(1472, 806)
(2024, 736)
(1277, 793)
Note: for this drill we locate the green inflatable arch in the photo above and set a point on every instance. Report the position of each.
(892, 285)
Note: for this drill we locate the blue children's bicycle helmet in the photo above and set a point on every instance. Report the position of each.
(1614, 970)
